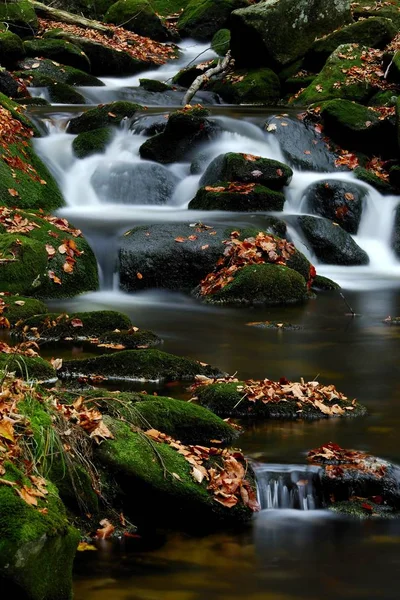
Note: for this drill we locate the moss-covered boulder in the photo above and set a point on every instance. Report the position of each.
(264, 284)
(103, 116)
(324, 284)
(202, 19)
(138, 365)
(32, 69)
(80, 325)
(92, 142)
(138, 16)
(129, 339)
(61, 51)
(44, 256)
(339, 201)
(237, 197)
(185, 77)
(383, 186)
(11, 48)
(247, 168)
(37, 546)
(19, 16)
(364, 10)
(30, 368)
(375, 32)
(363, 509)
(221, 41)
(274, 34)
(9, 86)
(152, 85)
(302, 143)
(248, 86)
(185, 130)
(158, 482)
(229, 400)
(62, 93)
(17, 308)
(356, 127)
(331, 243)
(332, 81)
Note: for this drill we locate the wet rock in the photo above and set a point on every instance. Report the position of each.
(324, 284)
(152, 85)
(383, 187)
(185, 130)
(103, 116)
(247, 86)
(247, 168)
(185, 77)
(32, 70)
(92, 142)
(264, 284)
(61, 51)
(8, 85)
(138, 365)
(396, 233)
(222, 196)
(150, 125)
(138, 16)
(339, 201)
(11, 48)
(202, 20)
(302, 143)
(137, 183)
(331, 244)
(275, 34)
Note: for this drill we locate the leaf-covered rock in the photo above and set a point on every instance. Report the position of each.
(236, 196)
(248, 86)
(61, 51)
(103, 116)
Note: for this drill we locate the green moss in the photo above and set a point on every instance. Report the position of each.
(61, 51)
(357, 509)
(325, 85)
(376, 182)
(138, 16)
(201, 19)
(92, 142)
(152, 85)
(31, 101)
(259, 198)
(11, 48)
(263, 284)
(131, 340)
(20, 17)
(62, 93)
(225, 400)
(221, 41)
(384, 98)
(56, 326)
(248, 86)
(27, 367)
(102, 116)
(13, 311)
(151, 365)
(26, 261)
(158, 481)
(364, 9)
(185, 77)
(324, 284)
(66, 74)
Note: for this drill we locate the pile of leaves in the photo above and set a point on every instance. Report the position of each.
(122, 40)
(263, 248)
(310, 393)
(234, 186)
(89, 419)
(338, 460)
(23, 349)
(227, 482)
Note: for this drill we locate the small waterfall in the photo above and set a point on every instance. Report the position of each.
(288, 486)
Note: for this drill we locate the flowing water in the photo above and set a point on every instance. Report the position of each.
(293, 548)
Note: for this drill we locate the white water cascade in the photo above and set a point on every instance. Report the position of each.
(288, 486)
(105, 198)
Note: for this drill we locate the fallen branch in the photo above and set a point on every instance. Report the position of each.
(66, 17)
(222, 66)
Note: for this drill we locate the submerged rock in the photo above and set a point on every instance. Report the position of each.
(331, 244)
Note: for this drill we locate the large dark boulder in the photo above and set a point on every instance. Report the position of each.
(331, 244)
(32, 69)
(134, 183)
(248, 86)
(247, 168)
(103, 116)
(274, 34)
(237, 197)
(138, 16)
(19, 17)
(11, 48)
(339, 201)
(201, 19)
(61, 51)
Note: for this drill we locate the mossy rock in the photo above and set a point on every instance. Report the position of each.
(30, 368)
(201, 19)
(36, 549)
(62, 93)
(152, 85)
(260, 198)
(363, 508)
(364, 10)
(324, 284)
(225, 400)
(141, 365)
(185, 77)
(375, 32)
(158, 482)
(325, 85)
(11, 48)
(248, 86)
(103, 116)
(92, 142)
(186, 129)
(138, 16)
(357, 127)
(131, 339)
(383, 187)
(393, 71)
(9, 86)
(66, 74)
(221, 41)
(61, 51)
(395, 241)
(384, 98)
(331, 244)
(35, 187)
(19, 17)
(32, 101)
(18, 308)
(263, 284)
(292, 85)
(247, 168)
(57, 326)
(30, 273)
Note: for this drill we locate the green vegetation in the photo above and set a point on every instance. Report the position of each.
(103, 116)
(20, 307)
(259, 198)
(27, 367)
(92, 142)
(61, 51)
(248, 86)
